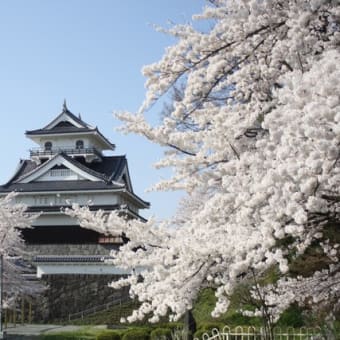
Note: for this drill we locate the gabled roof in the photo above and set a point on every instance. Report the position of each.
(58, 130)
(75, 126)
(59, 158)
(66, 112)
(105, 175)
(109, 170)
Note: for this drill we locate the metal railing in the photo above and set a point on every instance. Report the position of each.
(252, 333)
(68, 150)
(71, 258)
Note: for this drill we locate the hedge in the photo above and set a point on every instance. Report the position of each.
(161, 333)
(66, 336)
(171, 325)
(137, 334)
(108, 336)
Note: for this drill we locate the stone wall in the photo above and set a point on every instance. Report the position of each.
(71, 293)
(68, 294)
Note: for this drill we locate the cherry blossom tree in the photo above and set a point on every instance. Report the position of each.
(253, 137)
(12, 249)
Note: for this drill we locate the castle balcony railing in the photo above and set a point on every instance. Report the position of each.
(41, 152)
(71, 258)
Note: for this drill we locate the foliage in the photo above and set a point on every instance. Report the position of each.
(108, 335)
(292, 317)
(204, 305)
(67, 336)
(208, 326)
(337, 327)
(87, 332)
(95, 334)
(253, 138)
(137, 334)
(161, 334)
(171, 325)
(236, 319)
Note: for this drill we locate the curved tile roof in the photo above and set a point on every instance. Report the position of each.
(109, 169)
(85, 128)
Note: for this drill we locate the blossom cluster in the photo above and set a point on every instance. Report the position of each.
(254, 141)
(13, 219)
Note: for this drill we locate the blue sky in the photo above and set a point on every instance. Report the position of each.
(91, 53)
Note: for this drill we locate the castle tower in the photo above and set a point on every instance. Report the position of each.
(69, 165)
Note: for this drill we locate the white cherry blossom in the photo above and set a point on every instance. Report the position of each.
(13, 218)
(253, 140)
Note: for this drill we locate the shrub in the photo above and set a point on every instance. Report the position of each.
(108, 336)
(292, 317)
(209, 326)
(66, 336)
(137, 334)
(171, 325)
(237, 319)
(161, 333)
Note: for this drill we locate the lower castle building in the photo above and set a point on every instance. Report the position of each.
(69, 166)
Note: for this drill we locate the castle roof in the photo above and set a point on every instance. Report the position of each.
(110, 174)
(70, 170)
(67, 123)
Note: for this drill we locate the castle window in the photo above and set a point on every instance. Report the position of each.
(79, 144)
(48, 146)
(60, 172)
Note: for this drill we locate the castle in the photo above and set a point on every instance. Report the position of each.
(70, 166)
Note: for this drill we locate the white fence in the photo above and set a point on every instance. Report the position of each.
(251, 333)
